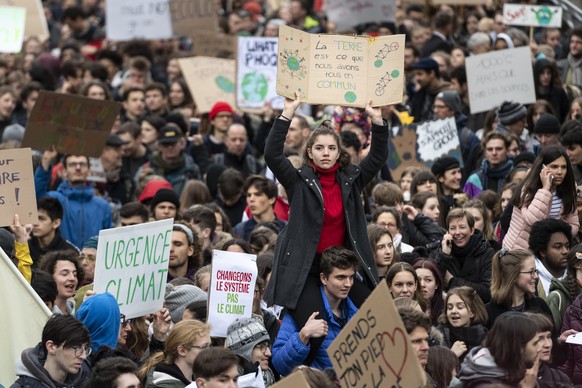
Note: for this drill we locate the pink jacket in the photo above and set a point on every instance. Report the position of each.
(523, 218)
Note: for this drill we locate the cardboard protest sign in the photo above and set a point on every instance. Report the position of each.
(138, 19)
(455, 2)
(73, 124)
(17, 187)
(209, 80)
(256, 71)
(193, 15)
(132, 264)
(419, 145)
(532, 15)
(296, 379)
(342, 70)
(12, 24)
(210, 44)
(348, 13)
(23, 321)
(498, 76)
(373, 349)
(36, 24)
(232, 287)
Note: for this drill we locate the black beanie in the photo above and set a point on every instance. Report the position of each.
(443, 164)
(165, 195)
(547, 124)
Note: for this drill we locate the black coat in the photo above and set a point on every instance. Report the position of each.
(532, 305)
(297, 244)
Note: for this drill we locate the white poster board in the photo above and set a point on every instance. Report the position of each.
(348, 13)
(138, 19)
(12, 24)
(532, 15)
(256, 71)
(500, 76)
(132, 264)
(232, 287)
(437, 138)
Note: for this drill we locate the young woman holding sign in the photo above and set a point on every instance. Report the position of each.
(325, 210)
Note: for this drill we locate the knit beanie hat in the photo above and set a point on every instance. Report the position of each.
(179, 297)
(444, 164)
(547, 124)
(524, 157)
(244, 334)
(13, 132)
(152, 187)
(451, 99)
(100, 313)
(219, 107)
(91, 243)
(165, 195)
(510, 111)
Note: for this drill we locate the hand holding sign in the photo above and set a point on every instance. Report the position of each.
(375, 114)
(291, 106)
(314, 328)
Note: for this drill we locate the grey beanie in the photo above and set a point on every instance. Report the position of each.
(451, 99)
(510, 111)
(13, 132)
(244, 334)
(179, 297)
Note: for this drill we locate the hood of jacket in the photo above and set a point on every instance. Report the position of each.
(100, 313)
(559, 285)
(80, 194)
(478, 365)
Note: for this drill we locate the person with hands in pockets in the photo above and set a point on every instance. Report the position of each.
(325, 210)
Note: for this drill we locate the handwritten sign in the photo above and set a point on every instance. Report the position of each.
(73, 124)
(532, 15)
(256, 71)
(209, 80)
(193, 15)
(132, 264)
(342, 70)
(348, 13)
(296, 379)
(17, 187)
(138, 19)
(373, 349)
(36, 24)
(498, 76)
(232, 287)
(210, 44)
(12, 24)
(419, 145)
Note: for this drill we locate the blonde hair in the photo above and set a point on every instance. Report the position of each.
(506, 266)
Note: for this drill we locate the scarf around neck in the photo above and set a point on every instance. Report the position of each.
(576, 69)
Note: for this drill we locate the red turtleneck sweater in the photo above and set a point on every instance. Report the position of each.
(333, 231)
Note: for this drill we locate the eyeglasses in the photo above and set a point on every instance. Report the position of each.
(88, 258)
(223, 116)
(385, 225)
(533, 273)
(125, 322)
(263, 346)
(78, 350)
(439, 107)
(202, 347)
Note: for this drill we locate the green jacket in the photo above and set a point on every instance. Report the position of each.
(157, 379)
(558, 300)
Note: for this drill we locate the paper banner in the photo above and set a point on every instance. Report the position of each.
(499, 76)
(36, 24)
(12, 24)
(296, 379)
(256, 72)
(341, 70)
(348, 13)
(138, 19)
(132, 264)
(73, 124)
(209, 80)
(232, 288)
(17, 194)
(373, 348)
(532, 15)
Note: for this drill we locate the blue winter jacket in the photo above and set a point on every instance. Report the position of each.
(84, 214)
(288, 350)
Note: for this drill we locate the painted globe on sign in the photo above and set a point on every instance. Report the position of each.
(225, 84)
(254, 87)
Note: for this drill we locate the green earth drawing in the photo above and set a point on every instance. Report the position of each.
(395, 73)
(293, 63)
(225, 84)
(254, 87)
(350, 97)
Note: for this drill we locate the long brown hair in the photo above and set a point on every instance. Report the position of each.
(405, 267)
(326, 128)
(506, 266)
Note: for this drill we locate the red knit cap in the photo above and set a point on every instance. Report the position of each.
(152, 187)
(219, 107)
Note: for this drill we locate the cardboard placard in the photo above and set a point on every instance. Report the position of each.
(209, 80)
(73, 124)
(231, 291)
(36, 24)
(341, 70)
(193, 15)
(12, 24)
(500, 76)
(532, 15)
(17, 187)
(210, 44)
(348, 13)
(23, 326)
(256, 71)
(419, 145)
(457, 2)
(373, 348)
(296, 379)
(138, 19)
(132, 264)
